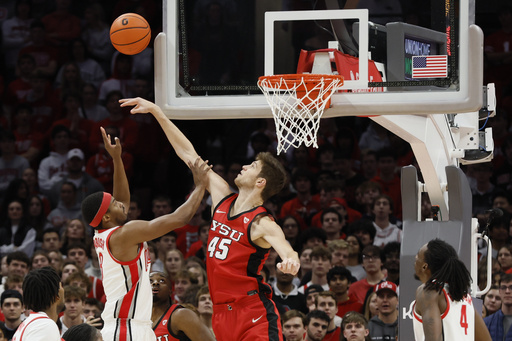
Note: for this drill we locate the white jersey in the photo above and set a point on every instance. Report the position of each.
(37, 327)
(126, 284)
(458, 320)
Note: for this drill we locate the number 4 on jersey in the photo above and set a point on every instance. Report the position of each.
(464, 319)
(218, 248)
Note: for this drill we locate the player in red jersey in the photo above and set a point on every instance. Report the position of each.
(240, 236)
(173, 322)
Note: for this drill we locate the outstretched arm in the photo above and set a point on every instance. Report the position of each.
(137, 231)
(121, 190)
(267, 233)
(217, 186)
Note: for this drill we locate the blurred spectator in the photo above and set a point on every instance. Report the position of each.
(164, 244)
(339, 252)
(61, 26)
(320, 265)
(339, 280)
(36, 217)
(316, 326)
(483, 189)
(11, 304)
(75, 232)
(372, 264)
(291, 230)
(18, 264)
(198, 249)
(364, 230)
(51, 240)
(391, 253)
(385, 324)
(388, 178)
(46, 57)
(19, 87)
(182, 281)
(91, 109)
(30, 177)
(375, 137)
(29, 141)
(294, 325)
(15, 233)
(286, 294)
(355, 259)
(370, 308)
(53, 167)
(365, 194)
(92, 307)
(505, 258)
(56, 260)
(89, 70)
(121, 79)
(40, 259)
(173, 263)
(502, 201)
(68, 267)
(84, 183)
(386, 231)
(304, 206)
(69, 80)
(326, 302)
(68, 207)
(333, 223)
(189, 233)
(74, 298)
(11, 164)
(15, 34)
(492, 300)
(128, 129)
(205, 307)
(369, 164)
(96, 35)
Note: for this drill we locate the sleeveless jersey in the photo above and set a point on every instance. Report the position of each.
(37, 327)
(458, 320)
(126, 284)
(163, 330)
(233, 261)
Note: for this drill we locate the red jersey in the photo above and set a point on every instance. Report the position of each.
(163, 329)
(351, 305)
(333, 335)
(233, 261)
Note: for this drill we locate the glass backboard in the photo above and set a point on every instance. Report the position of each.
(210, 54)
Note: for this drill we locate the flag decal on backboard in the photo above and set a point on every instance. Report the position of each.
(430, 66)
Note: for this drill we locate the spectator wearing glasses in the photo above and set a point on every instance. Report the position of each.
(497, 323)
(372, 264)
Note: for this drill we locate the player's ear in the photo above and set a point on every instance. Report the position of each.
(261, 182)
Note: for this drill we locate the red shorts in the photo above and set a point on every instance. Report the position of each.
(252, 318)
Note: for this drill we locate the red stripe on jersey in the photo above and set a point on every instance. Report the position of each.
(448, 300)
(123, 330)
(128, 299)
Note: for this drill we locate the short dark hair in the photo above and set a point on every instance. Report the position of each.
(58, 129)
(353, 317)
(341, 271)
(331, 210)
(313, 232)
(293, 313)
(321, 251)
(10, 294)
(321, 315)
(81, 332)
(384, 196)
(273, 172)
(364, 226)
(390, 247)
(19, 256)
(41, 288)
(373, 250)
(90, 206)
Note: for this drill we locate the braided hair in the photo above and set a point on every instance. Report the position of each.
(446, 267)
(41, 288)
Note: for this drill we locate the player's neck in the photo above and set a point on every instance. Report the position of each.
(247, 199)
(52, 311)
(506, 309)
(158, 310)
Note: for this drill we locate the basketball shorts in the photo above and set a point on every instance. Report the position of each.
(253, 318)
(127, 330)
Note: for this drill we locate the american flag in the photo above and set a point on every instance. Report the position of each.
(430, 66)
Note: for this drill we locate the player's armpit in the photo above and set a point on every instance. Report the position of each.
(186, 320)
(427, 305)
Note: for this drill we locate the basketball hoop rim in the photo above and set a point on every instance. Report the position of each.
(293, 78)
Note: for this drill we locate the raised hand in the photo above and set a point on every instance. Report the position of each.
(115, 149)
(200, 170)
(141, 106)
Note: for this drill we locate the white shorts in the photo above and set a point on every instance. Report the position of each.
(127, 330)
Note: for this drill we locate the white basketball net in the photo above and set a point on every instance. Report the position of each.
(297, 113)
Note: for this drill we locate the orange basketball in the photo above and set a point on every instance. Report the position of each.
(130, 33)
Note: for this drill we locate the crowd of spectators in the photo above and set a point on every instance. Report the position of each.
(341, 211)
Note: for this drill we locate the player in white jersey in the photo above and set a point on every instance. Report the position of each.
(122, 252)
(443, 309)
(42, 293)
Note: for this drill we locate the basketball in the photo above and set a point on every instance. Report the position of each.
(130, 33)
